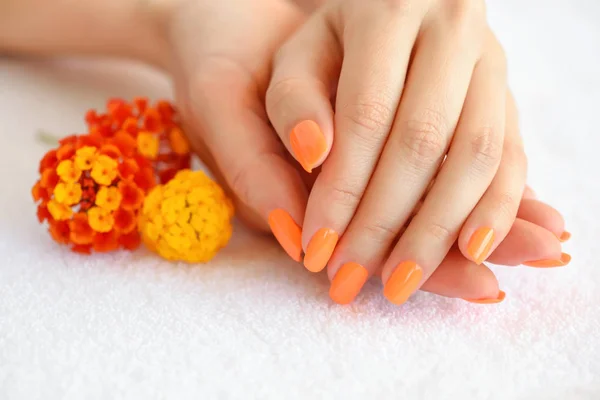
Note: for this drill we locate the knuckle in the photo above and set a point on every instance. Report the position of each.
(343, 194)
(486, 149)
(440, 232)
(279, 91)
(466, 19)
(507, 203)
(423, 141)
(380, 231)
(370, 119)
(398, 7)
(464, 11)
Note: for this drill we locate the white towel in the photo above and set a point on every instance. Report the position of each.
(254, 325)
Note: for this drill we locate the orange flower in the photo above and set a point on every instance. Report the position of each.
(104, 170)
(151, 119)
(125, 143)
(108, 198)
(67, 193)
(144, 179)
(131, 240)
(128, 168)
(49, 178)
(111, 150)
(106, 241)
(141, 103)
(39, 193)
(42, 213)
(178, 141)
(90, 140)
(68, 171)
(85, 157)
(100, 219)
(48, 161)
(147, 145)
(65, 151)
(81, 231)
(131, 126)
(60, 231)
(126, 149)
(133, 196)
(125, 220)
(59, 212)
(82, 248)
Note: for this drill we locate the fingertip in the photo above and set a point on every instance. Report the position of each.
(309, 145)
(526, 241)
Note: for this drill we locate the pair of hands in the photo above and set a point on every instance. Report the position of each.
(417, 92)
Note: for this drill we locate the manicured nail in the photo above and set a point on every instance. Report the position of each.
(403, 282)
(480, 244)
(319, 249)
(564, 236)
(564, 260)
(348, 282)
(287, 233)
(308, 144)
(501, 296)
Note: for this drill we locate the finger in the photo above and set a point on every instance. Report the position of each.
(370, 86)
(492, 218)
(247, 152)
(455, 277)
(528, 243)
(461, 278)
(529, 193)
(298, 99)
(543, 215)
(470, 166)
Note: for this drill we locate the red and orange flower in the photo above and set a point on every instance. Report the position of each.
(90, 192)
(153, 132)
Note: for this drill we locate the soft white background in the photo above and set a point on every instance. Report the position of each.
(253, 324)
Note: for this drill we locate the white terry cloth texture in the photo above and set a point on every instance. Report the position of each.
(254, 325)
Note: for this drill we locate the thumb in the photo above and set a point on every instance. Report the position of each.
(233, 136)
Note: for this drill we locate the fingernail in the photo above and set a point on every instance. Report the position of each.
(308, 144)
(564, 260)
(564, 236)
(480, 244)
(348, 282)
(403, 282)
(319, 249)
(287, 233)
(500, 298)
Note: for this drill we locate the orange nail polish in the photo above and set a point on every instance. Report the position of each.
(348, 282)
(319, 249)
(308, 144)
(564, 260)
(500, 298)
(403, 282)
(564, 236)
(287, 233)
(480, 244)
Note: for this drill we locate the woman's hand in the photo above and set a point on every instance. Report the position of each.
(219, 55)
(416, 91)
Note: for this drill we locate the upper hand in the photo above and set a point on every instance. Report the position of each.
(390, 96)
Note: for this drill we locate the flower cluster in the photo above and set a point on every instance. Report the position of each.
(153, 131)
(99, 191)
(187, 219)
(90, 192)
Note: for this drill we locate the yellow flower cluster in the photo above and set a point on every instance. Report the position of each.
(187, 219)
